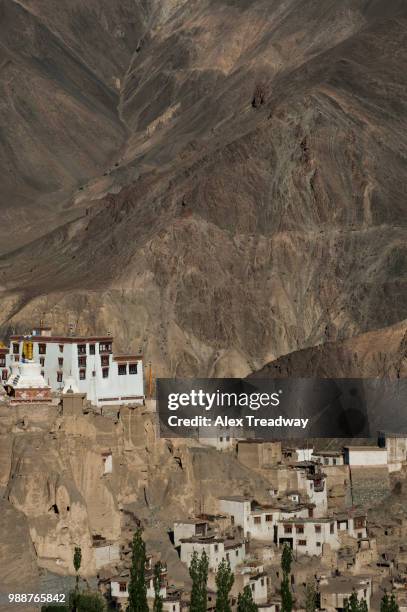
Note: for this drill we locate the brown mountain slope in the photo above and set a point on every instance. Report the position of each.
(371, 355)
(232, 234)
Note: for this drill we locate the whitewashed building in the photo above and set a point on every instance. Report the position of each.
(88, 361)
(254, 576)
(239, 509)
(217, 549)
(189, 528)
(365, 456)
(328, 458)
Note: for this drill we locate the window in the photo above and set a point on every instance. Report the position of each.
(262, 582)
(221, 439)
(81, 349)
(360, 535)
(82, 362)
(42, 361)
(2, 360)
(257, 520)
(122, 369)
(317, 528)
(82, 374)
(237, 553)
(326, 460)
(105, 347)
(42, 348)
(216, 548)
(105, 372)
(16, 348)
(61, 348)
(332, 528)
(318, 544)
(60, 362)
(122, 587)
(227, 438)
(42, 373)
(4, 375)
(59, 376)
(288, 529)
(302, 542)
(299, 528)
(269, 518)
(104, 360)
(227, 557)
(92, 349)
(358, 522)
(333, 461)
(132, 368)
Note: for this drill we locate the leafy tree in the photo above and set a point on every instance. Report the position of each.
(224, 582)
(137, 584)
(245, 601)
(77, 560)
(310, 597)
(393, 605)
(158, 600)
(389, 604)
(286, 560)
(286, 595)
(198, 570)
(384, 604)
(354, 605)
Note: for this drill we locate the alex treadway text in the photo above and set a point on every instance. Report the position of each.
(224, 421)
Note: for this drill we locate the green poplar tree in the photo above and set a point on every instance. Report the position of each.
(286, 595)
(198, 570)
(245, 601)
(388, 604)
(137, 584)
(393, 605)
(354, 605)
(224, 582)
(77, 560)
(158, 600)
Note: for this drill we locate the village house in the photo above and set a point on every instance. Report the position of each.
(189, 528)
(119, 589)
(252, 575)
(335, 590)
(396, 446)
(365, 456)
(258, 454)
(89, 361)
(216, 548)
(306, 536)
(328, 457)
(239, 509)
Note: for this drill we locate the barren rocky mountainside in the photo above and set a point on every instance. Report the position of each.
(374, 354)
(218, 183)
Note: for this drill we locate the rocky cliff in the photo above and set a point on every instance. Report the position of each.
(55, 494)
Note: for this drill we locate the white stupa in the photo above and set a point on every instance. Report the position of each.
(26, 383)
(70, 385)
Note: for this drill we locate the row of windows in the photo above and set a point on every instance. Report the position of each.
(104, 347)
(300, 528)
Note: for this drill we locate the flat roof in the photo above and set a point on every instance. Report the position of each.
(236, 498)
(366, 448)
(127, 357)
(308, 520)
(63, 339)
(327, 453)
(191, 521)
